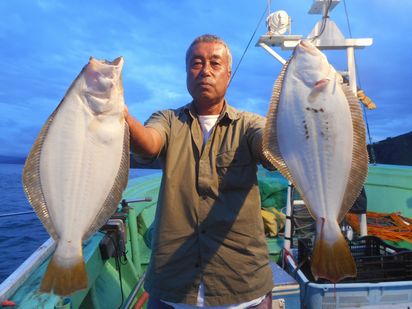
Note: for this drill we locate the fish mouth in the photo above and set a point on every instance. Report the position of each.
(304, 44)
(308, 47)
(98, 84)
(116, 62)
(103, 72)
(97, 95)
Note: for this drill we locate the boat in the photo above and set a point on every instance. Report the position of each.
(117, 256)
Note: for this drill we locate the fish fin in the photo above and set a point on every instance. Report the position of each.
(317, 89)
(360, 159)
(114, 196)
(64, 280)
(333, 262)
(32, 182)
(270, 147)
(321, 84)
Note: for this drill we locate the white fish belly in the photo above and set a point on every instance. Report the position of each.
(80, 159)
(315, 140)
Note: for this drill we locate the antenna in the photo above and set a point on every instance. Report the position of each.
(320, 7)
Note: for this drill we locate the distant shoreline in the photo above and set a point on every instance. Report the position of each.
(393, 150)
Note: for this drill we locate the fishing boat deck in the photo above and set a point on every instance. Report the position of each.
(389, 189)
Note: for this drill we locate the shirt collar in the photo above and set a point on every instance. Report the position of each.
(228, 112)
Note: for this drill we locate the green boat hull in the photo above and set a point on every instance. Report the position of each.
(388, 188)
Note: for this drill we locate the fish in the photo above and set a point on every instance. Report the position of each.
(315, 137)
(77, 169)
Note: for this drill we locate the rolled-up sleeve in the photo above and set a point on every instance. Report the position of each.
(160, 121)
(255, 136)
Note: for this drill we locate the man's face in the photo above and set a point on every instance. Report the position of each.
(208, 72)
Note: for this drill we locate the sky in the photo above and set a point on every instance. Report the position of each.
(44, 45)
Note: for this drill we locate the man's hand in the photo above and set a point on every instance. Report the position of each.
(126, 111)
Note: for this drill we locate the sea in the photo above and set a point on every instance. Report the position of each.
(22, 234)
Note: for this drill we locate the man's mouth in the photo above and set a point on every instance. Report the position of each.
(205, 81)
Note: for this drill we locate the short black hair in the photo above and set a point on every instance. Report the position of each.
(210, 38)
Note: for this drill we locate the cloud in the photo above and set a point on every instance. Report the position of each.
(45, 44)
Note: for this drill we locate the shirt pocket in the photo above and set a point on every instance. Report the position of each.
(235, 169)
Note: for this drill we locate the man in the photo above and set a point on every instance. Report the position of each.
(208, 247)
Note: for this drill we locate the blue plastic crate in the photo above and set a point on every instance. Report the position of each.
(285, 292)
(376, 261)
(379, 294)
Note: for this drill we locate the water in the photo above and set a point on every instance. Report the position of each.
(21, 235)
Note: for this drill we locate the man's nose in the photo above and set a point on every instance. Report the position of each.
(206, 69)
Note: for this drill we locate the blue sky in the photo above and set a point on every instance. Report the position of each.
(45, 44)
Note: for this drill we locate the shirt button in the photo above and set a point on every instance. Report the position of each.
(197, 265)
(203, 231)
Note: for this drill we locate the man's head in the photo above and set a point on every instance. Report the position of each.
(209, 38)
(208, 67)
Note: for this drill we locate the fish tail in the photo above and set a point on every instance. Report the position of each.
(332, 261)
(64, 279)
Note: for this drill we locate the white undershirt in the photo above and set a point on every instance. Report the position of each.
(201, 302)
(207, 122)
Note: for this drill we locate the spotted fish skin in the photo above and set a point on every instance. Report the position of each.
(315, 136)
(78, 168)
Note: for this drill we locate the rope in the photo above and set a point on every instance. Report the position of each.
(248, 44)
(324, 20)
(17, 213)
(387, 226)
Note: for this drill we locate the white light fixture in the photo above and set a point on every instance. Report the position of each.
(278, 23)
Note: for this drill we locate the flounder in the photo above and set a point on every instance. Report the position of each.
(78, 168)
(315, 136)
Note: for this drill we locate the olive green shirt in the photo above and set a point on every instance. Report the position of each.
(208, 225)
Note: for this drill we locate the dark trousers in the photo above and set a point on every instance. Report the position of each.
(155, 303)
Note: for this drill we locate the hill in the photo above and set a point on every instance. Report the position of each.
(393, 150)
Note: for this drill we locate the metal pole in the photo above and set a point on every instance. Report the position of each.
(134, 239)
(288, 223)
(146, 199)
(353, 85)
(273, 53)
(134, 292)
(352, 68)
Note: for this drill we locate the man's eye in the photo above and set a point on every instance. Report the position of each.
(196, 64)
(215, 63)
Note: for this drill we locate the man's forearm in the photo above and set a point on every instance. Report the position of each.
(143, 140)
